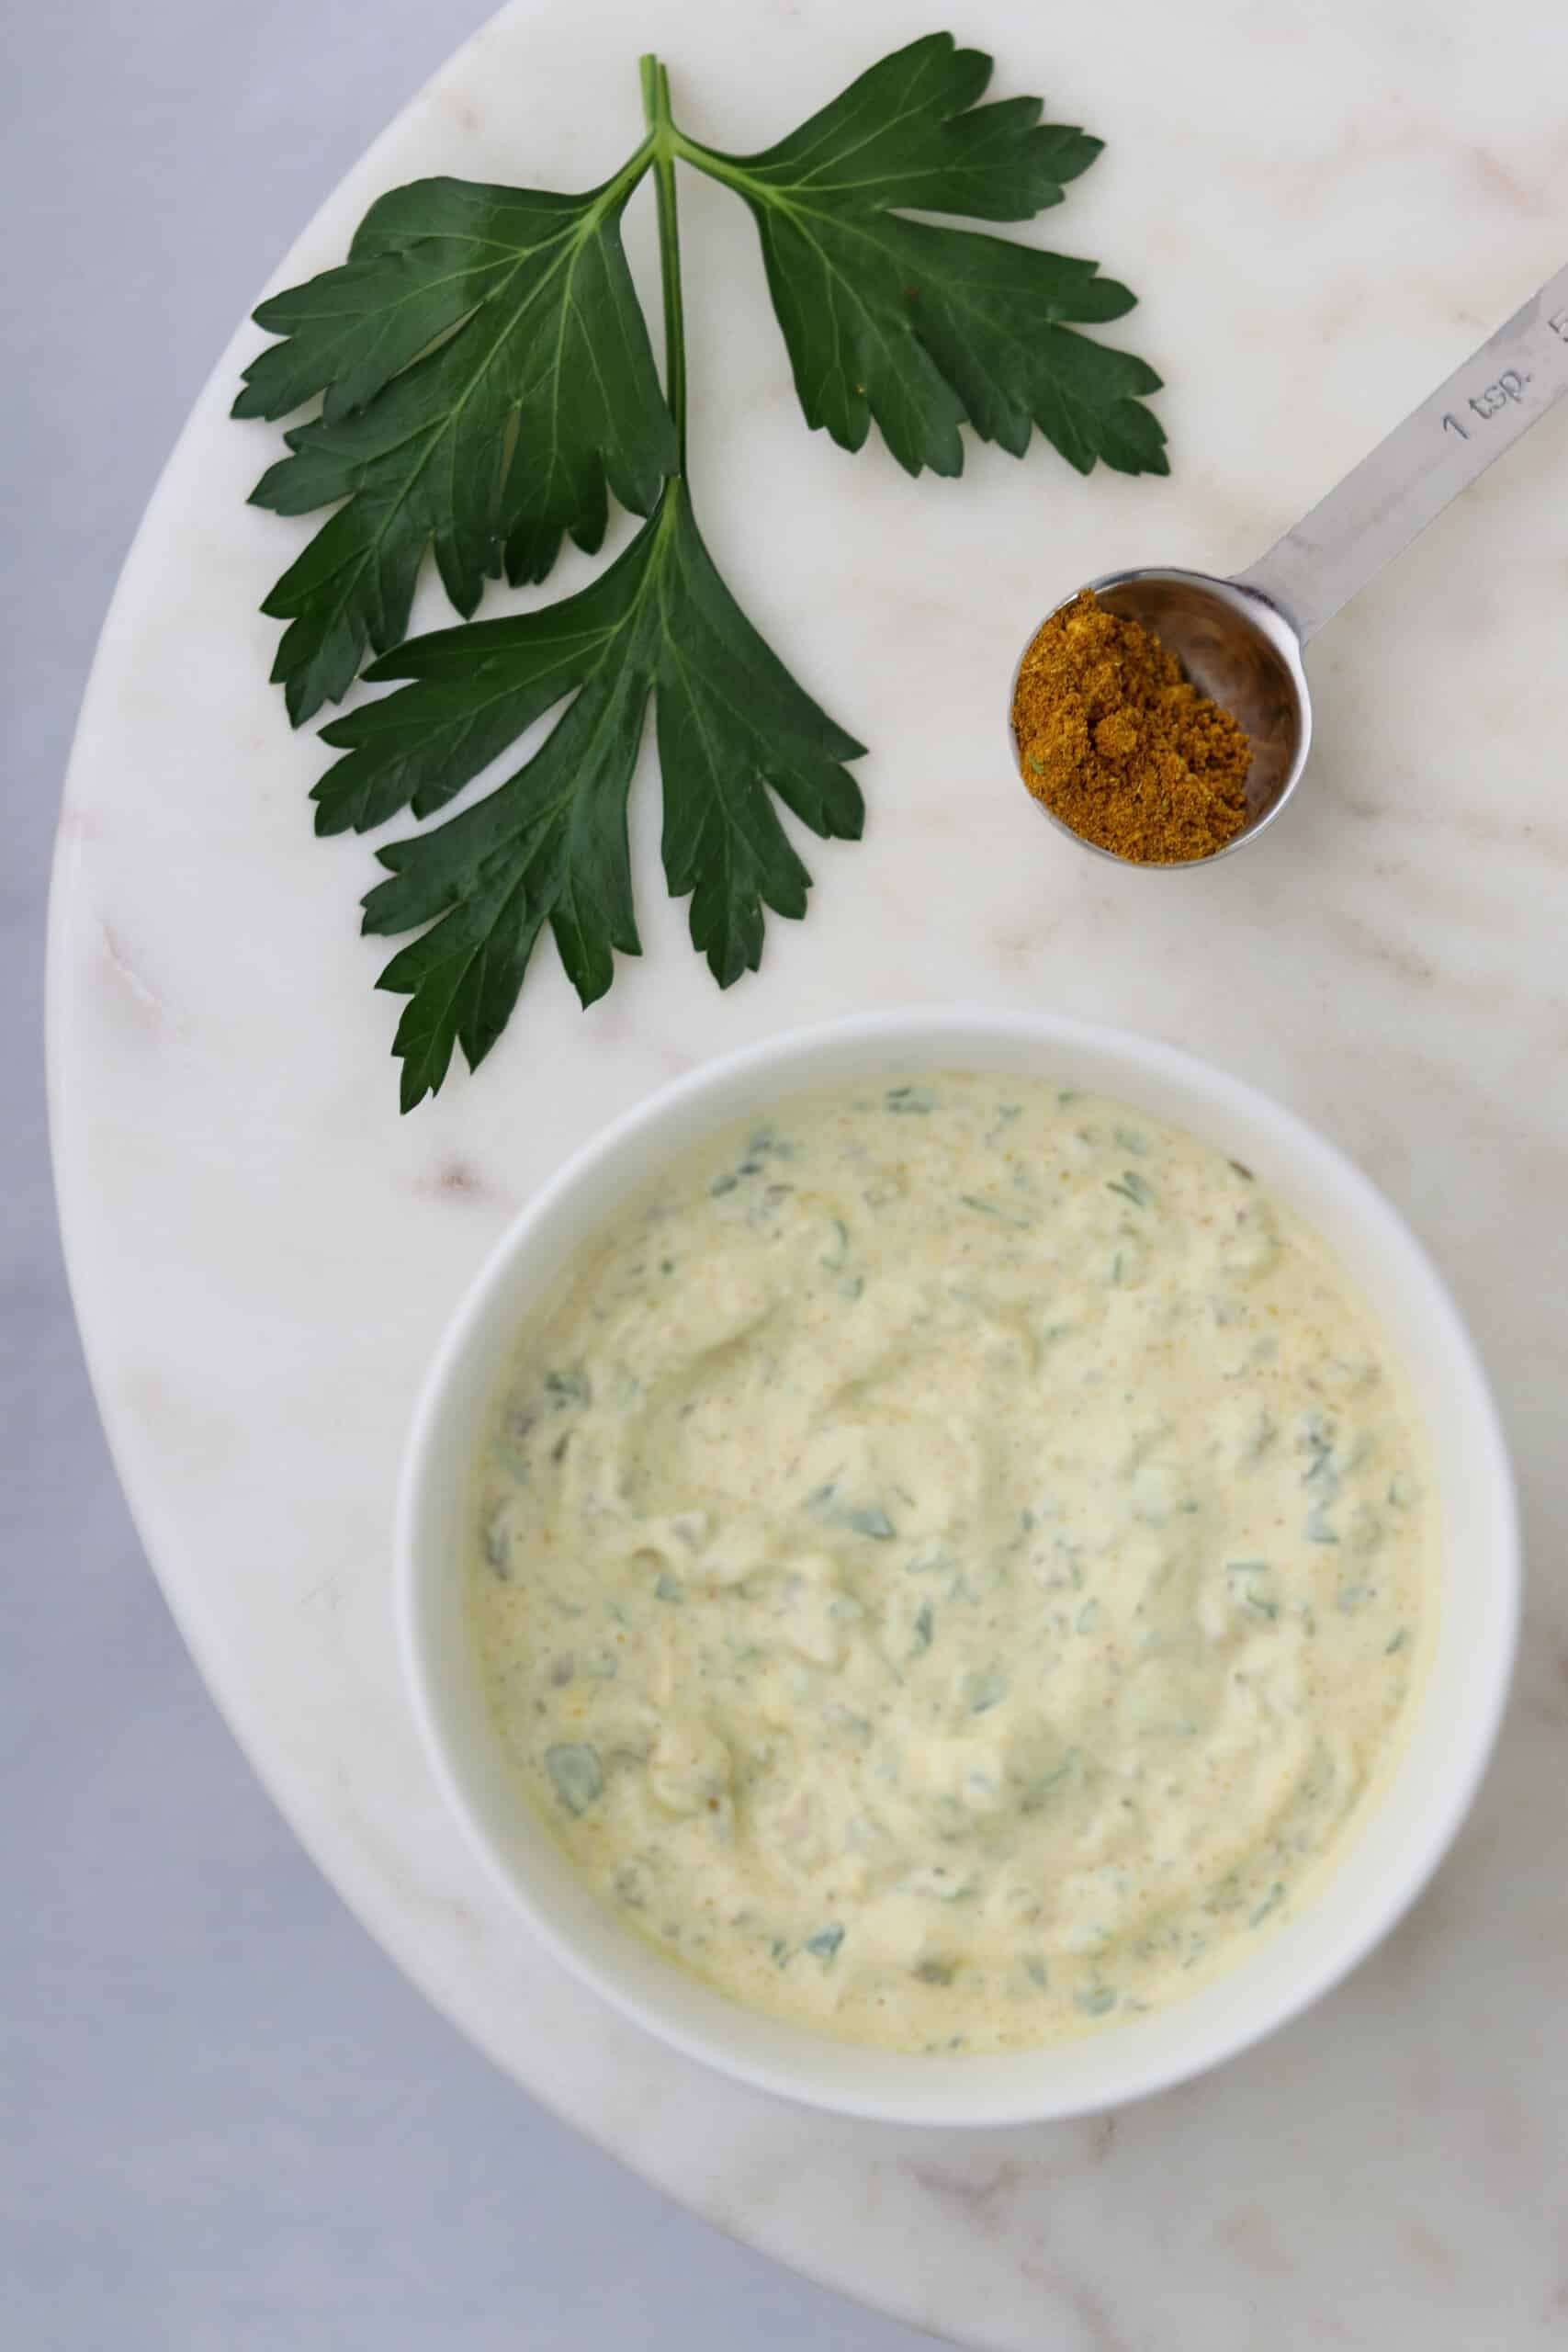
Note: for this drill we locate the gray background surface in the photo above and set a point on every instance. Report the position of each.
(225, 2120)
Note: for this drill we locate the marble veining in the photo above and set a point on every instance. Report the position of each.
(1323, 210)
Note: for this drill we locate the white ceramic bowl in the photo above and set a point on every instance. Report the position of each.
(1397, 1847)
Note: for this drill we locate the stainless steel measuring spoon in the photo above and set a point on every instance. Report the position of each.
(1240, 640)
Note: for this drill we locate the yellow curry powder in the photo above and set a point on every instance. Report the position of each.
(1115, 741)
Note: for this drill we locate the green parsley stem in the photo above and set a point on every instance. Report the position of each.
(656, 108)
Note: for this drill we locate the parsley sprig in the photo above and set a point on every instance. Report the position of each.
(488, 385)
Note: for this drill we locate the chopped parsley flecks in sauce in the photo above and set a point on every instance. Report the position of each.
(950, 1561)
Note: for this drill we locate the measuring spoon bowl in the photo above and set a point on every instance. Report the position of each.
(1241, 652)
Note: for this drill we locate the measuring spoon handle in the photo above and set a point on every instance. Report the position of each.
(1408, 478)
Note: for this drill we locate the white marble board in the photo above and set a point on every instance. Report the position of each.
(1323, 208)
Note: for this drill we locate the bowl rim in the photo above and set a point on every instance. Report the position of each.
(922, 2097)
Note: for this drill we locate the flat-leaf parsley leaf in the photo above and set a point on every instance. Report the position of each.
(551, 842)
(486, 367)
(927, 328)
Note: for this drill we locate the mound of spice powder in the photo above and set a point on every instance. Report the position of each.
(1119, 746)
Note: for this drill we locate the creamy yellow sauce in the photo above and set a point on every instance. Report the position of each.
(950, 1560)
